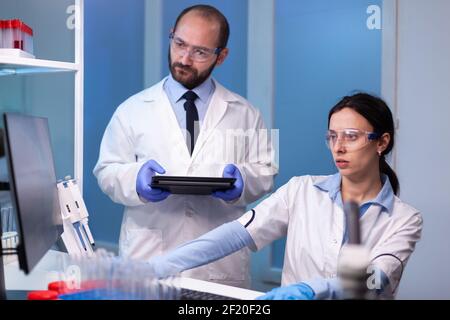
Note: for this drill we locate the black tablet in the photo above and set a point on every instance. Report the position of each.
(192, 185)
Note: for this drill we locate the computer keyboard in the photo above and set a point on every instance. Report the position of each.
(193, 289)
(187, 294)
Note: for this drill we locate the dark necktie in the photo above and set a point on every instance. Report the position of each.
(192, 125)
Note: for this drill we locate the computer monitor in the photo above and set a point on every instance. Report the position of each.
(32, 180)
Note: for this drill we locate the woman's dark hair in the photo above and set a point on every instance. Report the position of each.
(376, 111)
(209, 12)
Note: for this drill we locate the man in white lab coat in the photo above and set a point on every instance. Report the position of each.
(151, 132)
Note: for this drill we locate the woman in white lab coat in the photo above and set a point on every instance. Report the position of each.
(309, 211)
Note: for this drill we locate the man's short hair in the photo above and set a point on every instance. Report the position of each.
(209, 12)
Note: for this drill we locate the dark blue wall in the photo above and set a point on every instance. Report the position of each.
(114, 33)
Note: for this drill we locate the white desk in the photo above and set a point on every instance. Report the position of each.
(50, 268)
(54, 267)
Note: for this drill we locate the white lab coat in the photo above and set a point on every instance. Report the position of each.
(145, 127)
(314, 226)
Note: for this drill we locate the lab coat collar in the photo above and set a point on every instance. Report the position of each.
(385, 197)
(154, 92)
(332, 185)
(216, 110)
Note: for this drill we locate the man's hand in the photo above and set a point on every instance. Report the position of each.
(144, 179)
(231, 171)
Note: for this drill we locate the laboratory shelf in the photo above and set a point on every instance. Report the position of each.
(10, 65)
(13, 62)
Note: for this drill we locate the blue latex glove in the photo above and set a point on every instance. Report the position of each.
(216, 244)
(231, 171)
(298, 291)
(144, 179)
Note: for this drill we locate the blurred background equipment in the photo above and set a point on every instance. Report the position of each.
(354, 257)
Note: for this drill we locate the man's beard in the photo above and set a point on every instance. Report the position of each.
(195, 79)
